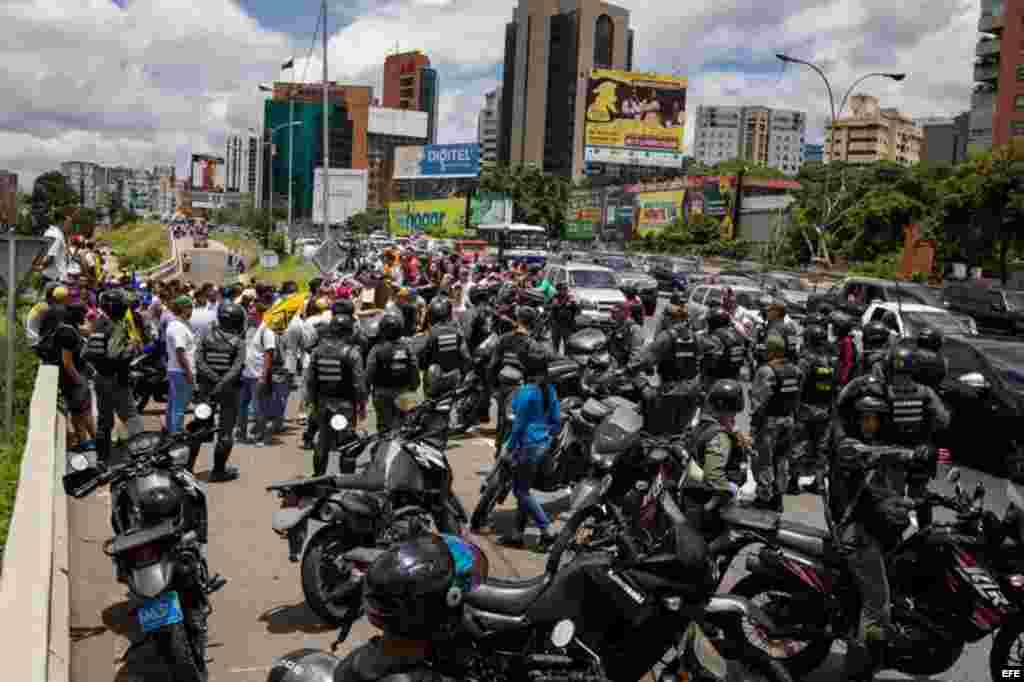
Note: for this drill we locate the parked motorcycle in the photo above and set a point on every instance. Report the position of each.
(159, 518)
(944, 593)
(404, 491)
(469, 406)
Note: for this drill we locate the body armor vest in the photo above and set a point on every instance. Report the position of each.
(95, 353)
(398, 367)
(707, 430)
(908, 406)
(684, 362)
(220, 353)
(786, 397)
(821, 384)
(931, 369)
(447, 351)
(333, 373)
(733, 355)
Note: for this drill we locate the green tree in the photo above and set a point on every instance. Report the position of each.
(980, 206)
(365, 222)
(538, 198)
(50, 194)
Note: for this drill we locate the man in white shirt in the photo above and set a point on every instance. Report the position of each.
(54, 267)
(203, 316)
(257, 385)
(181, 362)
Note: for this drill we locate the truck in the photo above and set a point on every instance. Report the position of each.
(348, 189)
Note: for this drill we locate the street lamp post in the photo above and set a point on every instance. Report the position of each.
(269, 145)
(832, 127)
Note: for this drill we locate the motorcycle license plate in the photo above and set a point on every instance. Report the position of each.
(160, 611)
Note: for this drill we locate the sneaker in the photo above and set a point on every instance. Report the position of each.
(228, 473)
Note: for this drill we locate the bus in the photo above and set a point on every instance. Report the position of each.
(527, 243)
(469, 248)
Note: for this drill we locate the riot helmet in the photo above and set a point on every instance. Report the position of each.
(876, 336)
(113, 304)
(440, 310)
(231, 318)
(391, 326)
(930, 339)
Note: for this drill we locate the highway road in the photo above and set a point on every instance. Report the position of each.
(261, 614)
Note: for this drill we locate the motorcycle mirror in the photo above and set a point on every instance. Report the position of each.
(203, 411)
(79, 462)
(563, 633)
(954, 475)
(339, 422)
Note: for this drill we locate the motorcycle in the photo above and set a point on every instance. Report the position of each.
(404, 491)
(147, 375)
(944, 593)
(159, 518)
(469, 407)
(585, 344)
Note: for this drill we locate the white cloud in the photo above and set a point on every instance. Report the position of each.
(84, 79)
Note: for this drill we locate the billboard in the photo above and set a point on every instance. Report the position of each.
(584, 215)
(658, 210)
(208, 173)
(437, 161)
(431, 215)
(348, 194)
(635, 118)
(489, 209)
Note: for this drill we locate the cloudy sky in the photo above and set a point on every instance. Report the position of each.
(140, 82)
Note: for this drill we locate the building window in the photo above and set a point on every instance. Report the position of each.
(1018, 103)
(604, 40)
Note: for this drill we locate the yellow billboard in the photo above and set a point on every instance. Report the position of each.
(439, 217)
(635, 118)
(658, 210)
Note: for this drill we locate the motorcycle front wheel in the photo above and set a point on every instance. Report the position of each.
(186, 663)
(326, 582)
(801, 657)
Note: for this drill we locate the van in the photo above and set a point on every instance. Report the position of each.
(994, 308)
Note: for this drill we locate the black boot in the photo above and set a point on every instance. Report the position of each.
(222, 471)
(103, 448)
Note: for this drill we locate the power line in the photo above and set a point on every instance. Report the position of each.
(312, 45)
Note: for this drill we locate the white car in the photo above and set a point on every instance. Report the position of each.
(907, 319)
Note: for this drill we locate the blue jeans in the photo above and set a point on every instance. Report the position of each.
(274, 405)
(528, 460)
(179, 396)
(248, 403)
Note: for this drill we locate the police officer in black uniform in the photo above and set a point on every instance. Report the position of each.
(220, 359)
(446, 344)
(776, 324)
(626, 338)
(774, 396)
(819, 390)
(932, 367)
(875, 339)
(506, 361)
(336, 380)
(730, 350)
(390, 370)
(110, 350)
(676, 353)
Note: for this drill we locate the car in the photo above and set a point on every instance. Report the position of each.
(672, 274)
(854, 294)
(994, 308)
(645, 286)
(789, 287)
(934, 296)
(906, 320)
(307, 247)
(616, 261)
(595, 287)
(704, 296)
(993, 368)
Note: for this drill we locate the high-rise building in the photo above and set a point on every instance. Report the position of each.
(550, 48)
(997, 103)
(873, 134)
(411, 83)
(241, 162)
(8, 198)
(945, 138)
(488, 126)
(163, 190)
(769, 137)
(81, 177)
(814, 153)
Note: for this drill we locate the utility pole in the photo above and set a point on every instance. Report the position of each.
(327, 153)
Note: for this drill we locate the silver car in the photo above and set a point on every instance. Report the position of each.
(595, 287)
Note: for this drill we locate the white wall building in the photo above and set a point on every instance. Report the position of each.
(81, 176)
(241, 161)
(770, 137)
(488, 125)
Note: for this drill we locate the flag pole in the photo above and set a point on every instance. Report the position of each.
(327, 164)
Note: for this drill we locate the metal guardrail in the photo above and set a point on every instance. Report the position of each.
(35, 596)
(169, 266)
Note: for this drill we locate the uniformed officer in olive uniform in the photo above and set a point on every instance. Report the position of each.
(390, 370)
(774, 397)
(777, 325)
(819, 390)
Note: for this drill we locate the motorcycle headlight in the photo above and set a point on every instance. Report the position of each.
(179, 456)
(339, 422)
(603, 461)
(203, 411)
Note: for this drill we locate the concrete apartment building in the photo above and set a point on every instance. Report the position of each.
(8, 198)
(488, 127)
(411, 83)
(550, 48)
(162, 190)
(945, 138)
(83, 177)
(762, 135)
(997, 103)
(241, 162)
(814, 153)
(873, 134)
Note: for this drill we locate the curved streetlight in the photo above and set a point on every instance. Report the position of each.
(269, 142)
(832, 104)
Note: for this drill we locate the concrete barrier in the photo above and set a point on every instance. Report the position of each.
(168, 267)
(35, 585)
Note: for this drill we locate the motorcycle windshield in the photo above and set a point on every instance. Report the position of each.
(618, 432)
(144, 443)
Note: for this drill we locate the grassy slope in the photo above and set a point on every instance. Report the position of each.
(291, 268)
(249, 248)
(139, 246)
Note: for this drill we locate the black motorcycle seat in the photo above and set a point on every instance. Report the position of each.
(507, 597)
(798, 528)
(754, 519)
(301, 483)
(803, 537)
(595, 411)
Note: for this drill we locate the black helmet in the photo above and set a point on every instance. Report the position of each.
(815, 335)
(930, 339)
(870, 404)
(876, 335)
(534, 361)
(391, 326)
(765, 302)
(341, 325)
(415, 588)
(304, 665)
(440, 310)
(842, 323)
(343, 307)
(525, 315)
(726, 397)
(717, 318)
(901, 361)
(113, 303)
(231, 318)
(479, 294)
